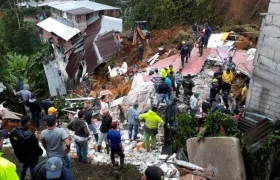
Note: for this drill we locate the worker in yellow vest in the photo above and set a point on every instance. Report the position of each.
(7, 168)
(164, 72)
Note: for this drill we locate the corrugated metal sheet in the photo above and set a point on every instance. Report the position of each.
(54, 80)
(69, 5)
(73, 64)
(89, 55)
(106, 45)
(62, 30)
(109, 24)
(80, 11)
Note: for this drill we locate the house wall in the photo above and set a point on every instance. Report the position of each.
(264, 91)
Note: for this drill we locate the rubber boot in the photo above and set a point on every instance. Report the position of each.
(99, 148)
(121, 163)
(96, 137)
(107, 148)
(114, 162)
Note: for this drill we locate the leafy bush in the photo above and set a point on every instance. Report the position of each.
(216, 122)
(261, 164)
(187, 128)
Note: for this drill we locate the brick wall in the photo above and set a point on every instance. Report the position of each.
(264, 91)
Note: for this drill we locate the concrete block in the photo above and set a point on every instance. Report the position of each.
(278, 67)
(269, 112)
(275, 20)
(268, 19)
(266, 51)
(265, 97)
(267, 62)
(275, 1)
(274, 94)
(277, 56)
(271, 30)
(221, 152)
(256, 84)
(274, 8)
(256, 93)
(272, 42)
(271, 103)
(275, 109)
(264, 105)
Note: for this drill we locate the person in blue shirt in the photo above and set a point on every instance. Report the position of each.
(168, 82)
(184, 54)
(133, 121)
(114, 138)
(207, 33)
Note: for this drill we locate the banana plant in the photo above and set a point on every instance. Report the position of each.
(19, 65)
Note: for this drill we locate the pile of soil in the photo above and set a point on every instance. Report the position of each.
(87, 171)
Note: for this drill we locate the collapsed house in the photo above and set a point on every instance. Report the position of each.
(82, 35)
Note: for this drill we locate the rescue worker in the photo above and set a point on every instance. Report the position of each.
(152, 120)
(184, 54)
(227, 79)
(7, 168)
(188, 85)
(244, 93)
(214, 90)
(170, 69)
(141, 51)
(164, 72)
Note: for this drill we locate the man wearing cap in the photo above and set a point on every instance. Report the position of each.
(170, 69)
(114, 139)
(26, 146)
(227, 79)
(54, 140)
(188, 85)
(7, 168)
(184, 54)
(194, 104)
(81, 136)
(51, 114)
(179, 81)
(133, 116)
(153, 173)
(156, 79)
(152, 120)
(53, 169)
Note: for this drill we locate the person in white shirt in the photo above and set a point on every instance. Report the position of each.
(194, 104)
(104, 104)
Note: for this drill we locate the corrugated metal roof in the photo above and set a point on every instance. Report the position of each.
(80, 11)
(62, 30)
(70, 5)
(89, 55)
(106, 45)
(109, 24)
(73, 64)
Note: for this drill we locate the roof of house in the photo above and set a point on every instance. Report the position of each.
(62, 30)
(80, 11)
(72, 5)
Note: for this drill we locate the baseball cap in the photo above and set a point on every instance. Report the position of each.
(52, 110)
(54, 167)
(215, 80)
(196, 94)
(4, 133)
(154, 173)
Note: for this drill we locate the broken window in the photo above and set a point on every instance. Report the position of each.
(78, 18)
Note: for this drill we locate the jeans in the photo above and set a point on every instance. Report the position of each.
(67, 162)
(92, 128)
(36, 116)
(24, 167)
(156, 87)
(130, 128)
(82, 149)
(183, 61)
(141, 55)
(102, 137)
(147, 136)
(161, 97)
